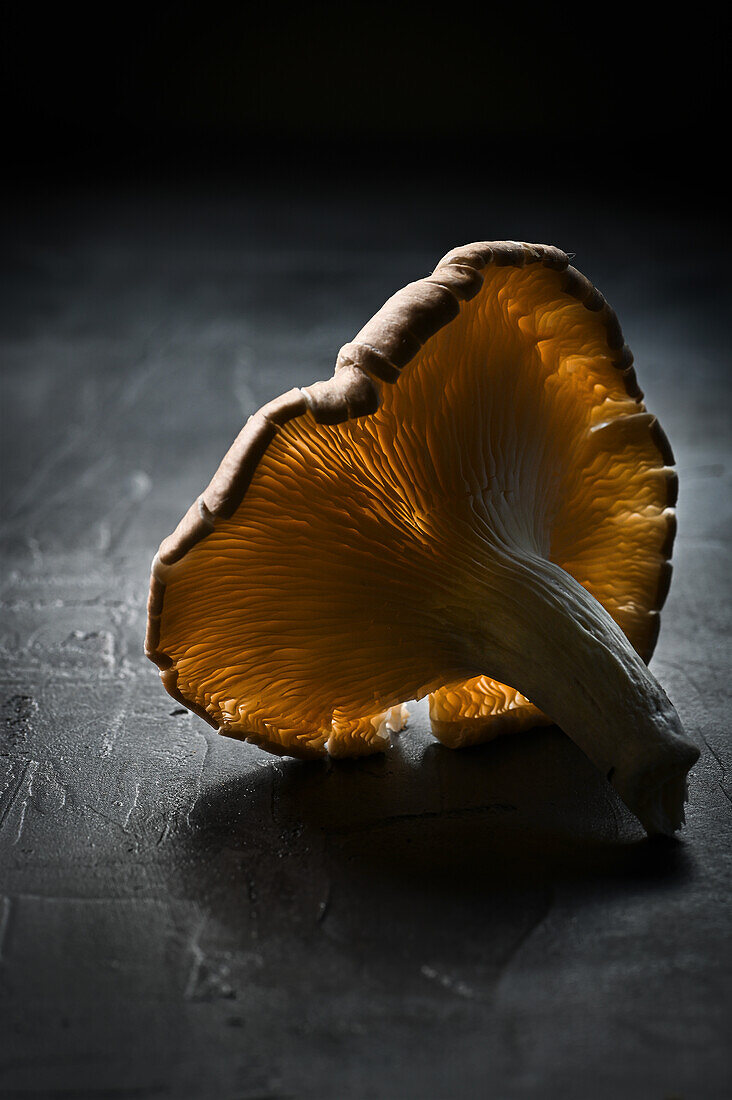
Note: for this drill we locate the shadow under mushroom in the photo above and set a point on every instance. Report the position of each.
(422, 863)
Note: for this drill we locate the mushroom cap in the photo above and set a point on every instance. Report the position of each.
(492, 404)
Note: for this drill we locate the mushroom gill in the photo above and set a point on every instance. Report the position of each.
(477, 498)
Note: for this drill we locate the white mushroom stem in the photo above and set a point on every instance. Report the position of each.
(542, 632)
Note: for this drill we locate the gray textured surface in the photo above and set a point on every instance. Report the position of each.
(185, 916)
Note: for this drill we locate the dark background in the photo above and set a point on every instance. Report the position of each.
(201, 203)
(562, 98)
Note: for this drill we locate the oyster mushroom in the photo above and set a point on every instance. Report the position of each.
(477, 498)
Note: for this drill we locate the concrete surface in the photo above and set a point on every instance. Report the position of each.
(185, 916)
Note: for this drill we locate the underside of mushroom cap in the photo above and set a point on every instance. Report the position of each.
(374, 537)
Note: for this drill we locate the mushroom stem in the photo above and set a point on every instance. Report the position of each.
(552, 640)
